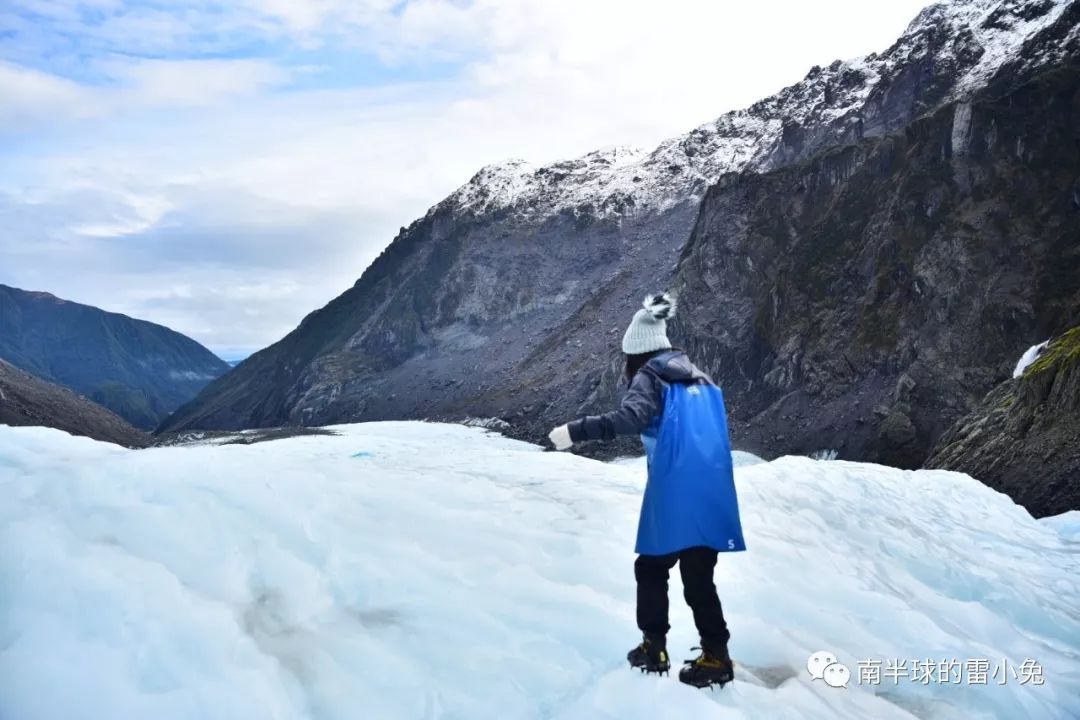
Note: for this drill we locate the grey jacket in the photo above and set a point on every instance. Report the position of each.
(644, 401)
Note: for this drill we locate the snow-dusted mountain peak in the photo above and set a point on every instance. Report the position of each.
(496, 185)
(964, 42)
(992, 31)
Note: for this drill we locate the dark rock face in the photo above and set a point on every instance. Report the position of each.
(29, 400)
(139, 370)
(1023, 439)
(450, 311)
(866, 300)
(509, 298)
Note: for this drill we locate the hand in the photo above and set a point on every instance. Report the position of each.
(560, 437)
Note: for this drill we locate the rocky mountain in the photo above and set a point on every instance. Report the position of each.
(139, 370)
(509, 297)
(865, 300)
(29, 400)
(1023, 439)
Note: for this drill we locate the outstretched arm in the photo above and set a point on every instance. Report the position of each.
(643, 402)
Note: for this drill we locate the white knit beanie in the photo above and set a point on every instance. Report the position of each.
(648, 329)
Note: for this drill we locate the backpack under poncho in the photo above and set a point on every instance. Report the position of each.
(690, 496)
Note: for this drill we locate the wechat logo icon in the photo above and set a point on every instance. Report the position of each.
(822, 665)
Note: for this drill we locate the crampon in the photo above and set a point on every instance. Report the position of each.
(707, 670)
(650, 657)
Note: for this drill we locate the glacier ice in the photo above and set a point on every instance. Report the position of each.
(411, 570)
(1067, 524)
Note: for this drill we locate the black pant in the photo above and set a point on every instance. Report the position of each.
(696, 566)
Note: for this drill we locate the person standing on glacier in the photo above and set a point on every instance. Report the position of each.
(690, 511)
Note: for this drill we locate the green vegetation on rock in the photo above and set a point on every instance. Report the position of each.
(1063, 350)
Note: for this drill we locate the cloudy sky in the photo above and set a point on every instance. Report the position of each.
(224, 168)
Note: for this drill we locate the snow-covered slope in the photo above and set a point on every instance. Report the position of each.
(405, 570)
(973, 38)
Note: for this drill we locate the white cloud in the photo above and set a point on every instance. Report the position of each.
(310, 18)
(195, 82)
(31, 97)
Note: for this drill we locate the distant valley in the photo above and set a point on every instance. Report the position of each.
(138, 370)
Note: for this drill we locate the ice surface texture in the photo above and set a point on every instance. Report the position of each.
(453, 573)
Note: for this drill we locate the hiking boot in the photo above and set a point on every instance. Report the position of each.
(650, 656)
(708, 669)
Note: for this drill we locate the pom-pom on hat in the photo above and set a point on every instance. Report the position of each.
(648, 329)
